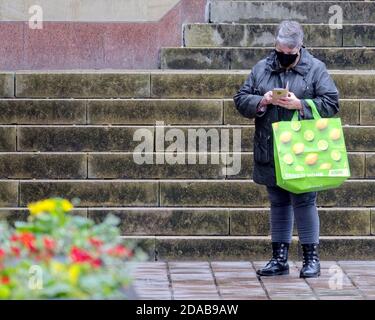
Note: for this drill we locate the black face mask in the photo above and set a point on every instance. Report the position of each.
(286, 59)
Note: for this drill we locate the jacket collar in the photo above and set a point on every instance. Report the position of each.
(302, 67)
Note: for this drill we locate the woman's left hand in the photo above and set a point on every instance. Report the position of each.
(289, 102)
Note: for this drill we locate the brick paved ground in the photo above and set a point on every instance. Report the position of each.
(238, 280)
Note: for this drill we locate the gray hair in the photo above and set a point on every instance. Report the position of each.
(290, 34)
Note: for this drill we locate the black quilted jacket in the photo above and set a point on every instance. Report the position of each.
(307, 79)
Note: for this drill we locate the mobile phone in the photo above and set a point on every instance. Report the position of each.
(278, 93)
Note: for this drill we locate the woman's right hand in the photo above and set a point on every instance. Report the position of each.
(267, 98)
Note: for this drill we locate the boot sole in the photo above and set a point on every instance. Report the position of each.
(280, 273)
(310, 276)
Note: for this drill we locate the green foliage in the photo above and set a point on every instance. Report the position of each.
(56, 255)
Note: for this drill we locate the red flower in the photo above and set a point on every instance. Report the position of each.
(16, 251)
(120, 251)
(5, 280)
(79, 255)
(2, 253)
(96, 263)
(28, 240)
(14, 238)
(49, 243)
(96, 242)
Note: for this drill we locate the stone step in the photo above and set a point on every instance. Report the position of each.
(237, 193)
(208, 221)
(181, 221)
(302, 11)
(263, 35)
(250, 247)
(243, 58)
(166, 84)
(90, 138)
(121, 165)
(148, 111)
(171, 193)
(111, 111)
(334, 248)
(362, 166)
(92, 84)
(352, 112)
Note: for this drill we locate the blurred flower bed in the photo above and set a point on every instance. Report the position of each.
(58, 255)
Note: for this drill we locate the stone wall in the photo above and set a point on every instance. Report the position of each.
(82, 34)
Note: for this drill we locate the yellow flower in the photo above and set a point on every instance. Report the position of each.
(66, 205)
(74, 272)
(38, 207)
(49, 206)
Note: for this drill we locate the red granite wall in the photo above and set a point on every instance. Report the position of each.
(78, 45)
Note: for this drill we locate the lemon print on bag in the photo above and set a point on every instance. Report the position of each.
(309, 135)
(325, 166)
(288, 158)
(335, 134)
(322, 145)
(286, 136)
(310, 154)
(321, 124)
(298, 148)
(295, 125)
(275, 125)
(311, 159)
(336, 155)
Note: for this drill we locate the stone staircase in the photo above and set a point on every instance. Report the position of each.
(71, 134)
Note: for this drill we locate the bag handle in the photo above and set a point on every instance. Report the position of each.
(315, 112)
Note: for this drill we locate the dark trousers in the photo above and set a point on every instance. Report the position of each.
(285, 205)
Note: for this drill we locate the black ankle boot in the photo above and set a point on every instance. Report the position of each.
(311, 264)
(278, 264)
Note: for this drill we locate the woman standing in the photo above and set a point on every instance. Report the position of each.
(291, 66)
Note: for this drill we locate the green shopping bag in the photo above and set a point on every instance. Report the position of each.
(310, 155)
